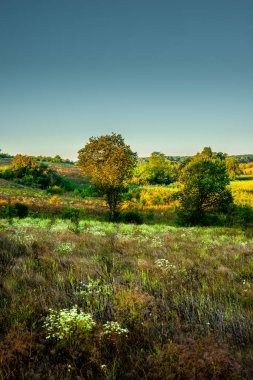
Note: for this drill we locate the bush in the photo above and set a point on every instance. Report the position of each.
(70, 213)
(21, 210)
(54, 190)
(68, 325)
(130, 217)
(240, 215)
(88, 191)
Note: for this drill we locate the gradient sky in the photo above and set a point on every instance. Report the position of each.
(170, 76)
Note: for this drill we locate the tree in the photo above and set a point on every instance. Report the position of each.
(158, 170)
(204, 181)
(26, 170)
(232, 166)
(110, 163)
(23, 165)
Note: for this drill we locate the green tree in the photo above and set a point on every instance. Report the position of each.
(204, 181)
(110, 163)
(232, 166)
(158, 170)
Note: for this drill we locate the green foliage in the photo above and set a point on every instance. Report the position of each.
(111, 328)
(244, 158)
(5, 155)
(71, 213)
(156, 171)
(17, 209)
(27, 171)
(68, 325)
(134, 217)
(56, 159)
(110, 163)
(21, 210)
(232, 166)
(205, 181)
(89, 191)
(241, 216)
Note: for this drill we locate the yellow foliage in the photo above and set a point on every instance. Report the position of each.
(54, 200)
(242, 192)
(151, 197)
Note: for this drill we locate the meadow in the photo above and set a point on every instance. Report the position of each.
(117, 301)
(82, 298)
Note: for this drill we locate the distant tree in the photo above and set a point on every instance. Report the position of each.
(141, 175)
(4, 155)
(231, 162)
(184, 163)
(22, 165)
(161, 169)
(204, 181)
(232, 166)
(157, 170)
(110, 163)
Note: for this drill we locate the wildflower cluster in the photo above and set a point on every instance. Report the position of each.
(164, 264)
(94, 287)
(65, 248)
(111, 327)
(66, 323)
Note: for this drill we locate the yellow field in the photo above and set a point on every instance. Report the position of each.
(242, 192)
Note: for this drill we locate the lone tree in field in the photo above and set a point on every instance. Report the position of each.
(204, 179)
(110, 163)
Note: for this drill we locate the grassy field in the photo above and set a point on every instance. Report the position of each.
(117, 301)
(97, 300)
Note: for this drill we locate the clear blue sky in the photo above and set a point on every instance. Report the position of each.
(170, 76)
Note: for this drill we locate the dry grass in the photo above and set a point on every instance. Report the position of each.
(185, 296)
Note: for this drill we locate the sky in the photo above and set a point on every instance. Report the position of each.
(169, 75)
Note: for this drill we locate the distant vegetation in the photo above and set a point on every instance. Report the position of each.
(5, 155)
(154, 184)
(57, 159)
(27, 171)
(154, 295)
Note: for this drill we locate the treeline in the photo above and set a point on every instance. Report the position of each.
(5, 155)
(56, 159)
(244, 158)
(159, 170)
(241, 158)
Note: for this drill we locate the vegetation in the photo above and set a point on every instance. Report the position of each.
(56, 159)
(110, 163)
(27, 171)
(157, 170)
(119, 301)
(5, 155)
(82, 298)
(205, 179)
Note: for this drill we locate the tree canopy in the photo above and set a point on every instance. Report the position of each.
(109, 162)
(157, 170)
(204, 179)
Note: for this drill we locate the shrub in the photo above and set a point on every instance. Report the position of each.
(130, 217)
(88, 191)
(67, 324)
(71, 213)
(54, 190)
(205, 181)
(111, 328)
(241, 215)
(21, 210)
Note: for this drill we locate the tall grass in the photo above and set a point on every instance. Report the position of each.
(161, 302)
